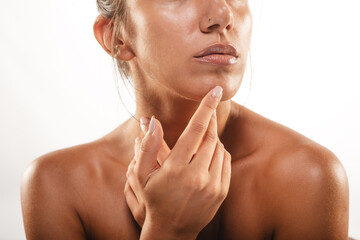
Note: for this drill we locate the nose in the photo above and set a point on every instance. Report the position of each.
(218, 17)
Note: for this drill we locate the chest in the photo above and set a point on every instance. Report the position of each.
(107, 216)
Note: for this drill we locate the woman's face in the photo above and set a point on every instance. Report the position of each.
(168, 34)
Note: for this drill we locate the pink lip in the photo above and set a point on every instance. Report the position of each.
(224, 49)
(218, 54)
(217, 59)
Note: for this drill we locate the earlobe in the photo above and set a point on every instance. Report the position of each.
(103, 33)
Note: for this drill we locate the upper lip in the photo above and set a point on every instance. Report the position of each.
(218, 49)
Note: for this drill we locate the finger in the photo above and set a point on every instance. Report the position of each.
(191, 137)
(137, 147)
(144, 124)
(131, 179)
(226, 171)
(130, 196)
(135, 207)
(164, 149)
(216, 165)
(148, 153)
(130, 167)
(204, 154)
(134, 183)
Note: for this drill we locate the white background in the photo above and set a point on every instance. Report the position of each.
(57, 84)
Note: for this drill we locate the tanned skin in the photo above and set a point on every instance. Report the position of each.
(282, 184)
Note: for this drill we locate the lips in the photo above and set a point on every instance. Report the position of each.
(221, 49)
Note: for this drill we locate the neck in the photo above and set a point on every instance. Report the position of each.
(174, 112)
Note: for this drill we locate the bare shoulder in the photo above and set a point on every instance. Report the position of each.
(302, 183)
(61, 164)
(54, 187)
(66, 171)
(291, 156)
(283, 148)
(56, 173)
(47, 195)
(310, 191)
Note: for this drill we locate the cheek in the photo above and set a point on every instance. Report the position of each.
(243, 29)
(168, 34)
(163, 44)
(246, 31)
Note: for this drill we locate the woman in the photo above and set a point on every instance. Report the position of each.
(191, 173)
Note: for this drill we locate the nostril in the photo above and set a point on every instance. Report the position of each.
(212, 27)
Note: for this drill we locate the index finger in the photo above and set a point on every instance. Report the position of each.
(191, 137)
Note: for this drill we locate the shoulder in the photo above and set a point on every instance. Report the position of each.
(310, 193)
(72, 165)
(49, 193)
(64, 189)
(303, 184)
(59, 164)
(64, 172)
(51, 174)
(292, 161)
(307, 166)
(282, 148)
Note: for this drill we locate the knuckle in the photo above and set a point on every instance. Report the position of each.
(146, 146)
(211, 105)
(199, 182)
(135, 173)
(198, 127)
(219, 150)
(227, 154)
(213, 191)
(130, 173)
(129, 169)
(221, 145)
(211, 136)
(223, 193)
(227, 157)
(172, 171)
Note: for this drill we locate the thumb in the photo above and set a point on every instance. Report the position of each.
(164, 149)
(148, 153)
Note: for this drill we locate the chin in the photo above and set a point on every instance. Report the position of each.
(199, 87)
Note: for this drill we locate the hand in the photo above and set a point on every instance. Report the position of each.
(138, 207)
(187, 190)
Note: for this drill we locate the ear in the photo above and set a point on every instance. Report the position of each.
(103, 32)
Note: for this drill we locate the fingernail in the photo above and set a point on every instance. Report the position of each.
(217, 92)
(152, 124)
(144, 120)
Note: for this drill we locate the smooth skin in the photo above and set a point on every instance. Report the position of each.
(198, 167)
(282, 184)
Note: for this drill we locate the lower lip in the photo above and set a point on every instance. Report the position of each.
(218, 59)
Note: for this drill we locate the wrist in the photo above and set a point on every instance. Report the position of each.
(152, 231)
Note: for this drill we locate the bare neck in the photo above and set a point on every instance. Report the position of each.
(175, 112)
